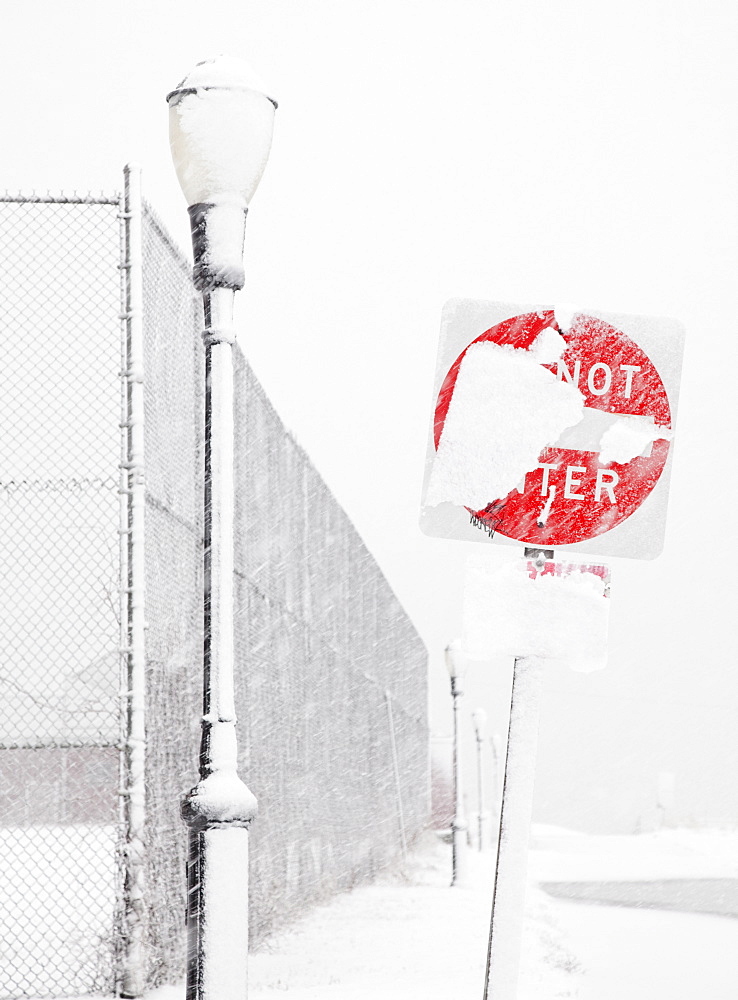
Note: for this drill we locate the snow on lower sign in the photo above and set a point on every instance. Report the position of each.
(552, 427)
(552, 609)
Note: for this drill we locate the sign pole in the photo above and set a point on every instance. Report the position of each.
(516, 812)
(508, 901)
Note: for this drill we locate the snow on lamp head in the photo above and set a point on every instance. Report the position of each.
(220, 132)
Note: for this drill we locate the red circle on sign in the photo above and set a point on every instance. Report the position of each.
(615, 376)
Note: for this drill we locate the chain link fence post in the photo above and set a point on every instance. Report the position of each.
(133, 590)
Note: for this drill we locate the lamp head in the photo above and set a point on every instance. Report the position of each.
(220, 131)
(454, 662)
(221, 121)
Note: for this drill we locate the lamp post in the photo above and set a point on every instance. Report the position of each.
(479, 717)
(455, 667)
(495, 743)
(220, 129)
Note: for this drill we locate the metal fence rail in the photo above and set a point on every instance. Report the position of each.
(331, 687)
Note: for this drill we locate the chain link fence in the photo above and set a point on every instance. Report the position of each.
(330, 674)
(59, 659)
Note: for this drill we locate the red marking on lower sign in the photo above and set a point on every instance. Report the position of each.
(550, 568)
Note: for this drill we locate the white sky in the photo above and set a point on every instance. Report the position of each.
(518, 151)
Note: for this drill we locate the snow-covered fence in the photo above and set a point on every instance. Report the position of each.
(60, 733)
(330, 673)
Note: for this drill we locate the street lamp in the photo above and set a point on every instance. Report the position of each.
(455, 667)
(220, 128)
(479, 717)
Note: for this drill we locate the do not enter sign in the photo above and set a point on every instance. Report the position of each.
(569, 496)
(600, 484)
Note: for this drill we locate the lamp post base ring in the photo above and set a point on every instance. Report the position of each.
(219, 335)
(199, 824)
(220, 800)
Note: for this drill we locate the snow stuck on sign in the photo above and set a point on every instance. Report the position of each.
(629, 437)
(505, 410)
(564, 315)
(548, 346)
(507, 613)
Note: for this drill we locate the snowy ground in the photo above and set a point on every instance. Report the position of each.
(411, 936)
(631, 950)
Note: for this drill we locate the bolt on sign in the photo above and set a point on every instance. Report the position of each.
(552, 427)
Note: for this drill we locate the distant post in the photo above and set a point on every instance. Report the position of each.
(454, 664)
(479, 717)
